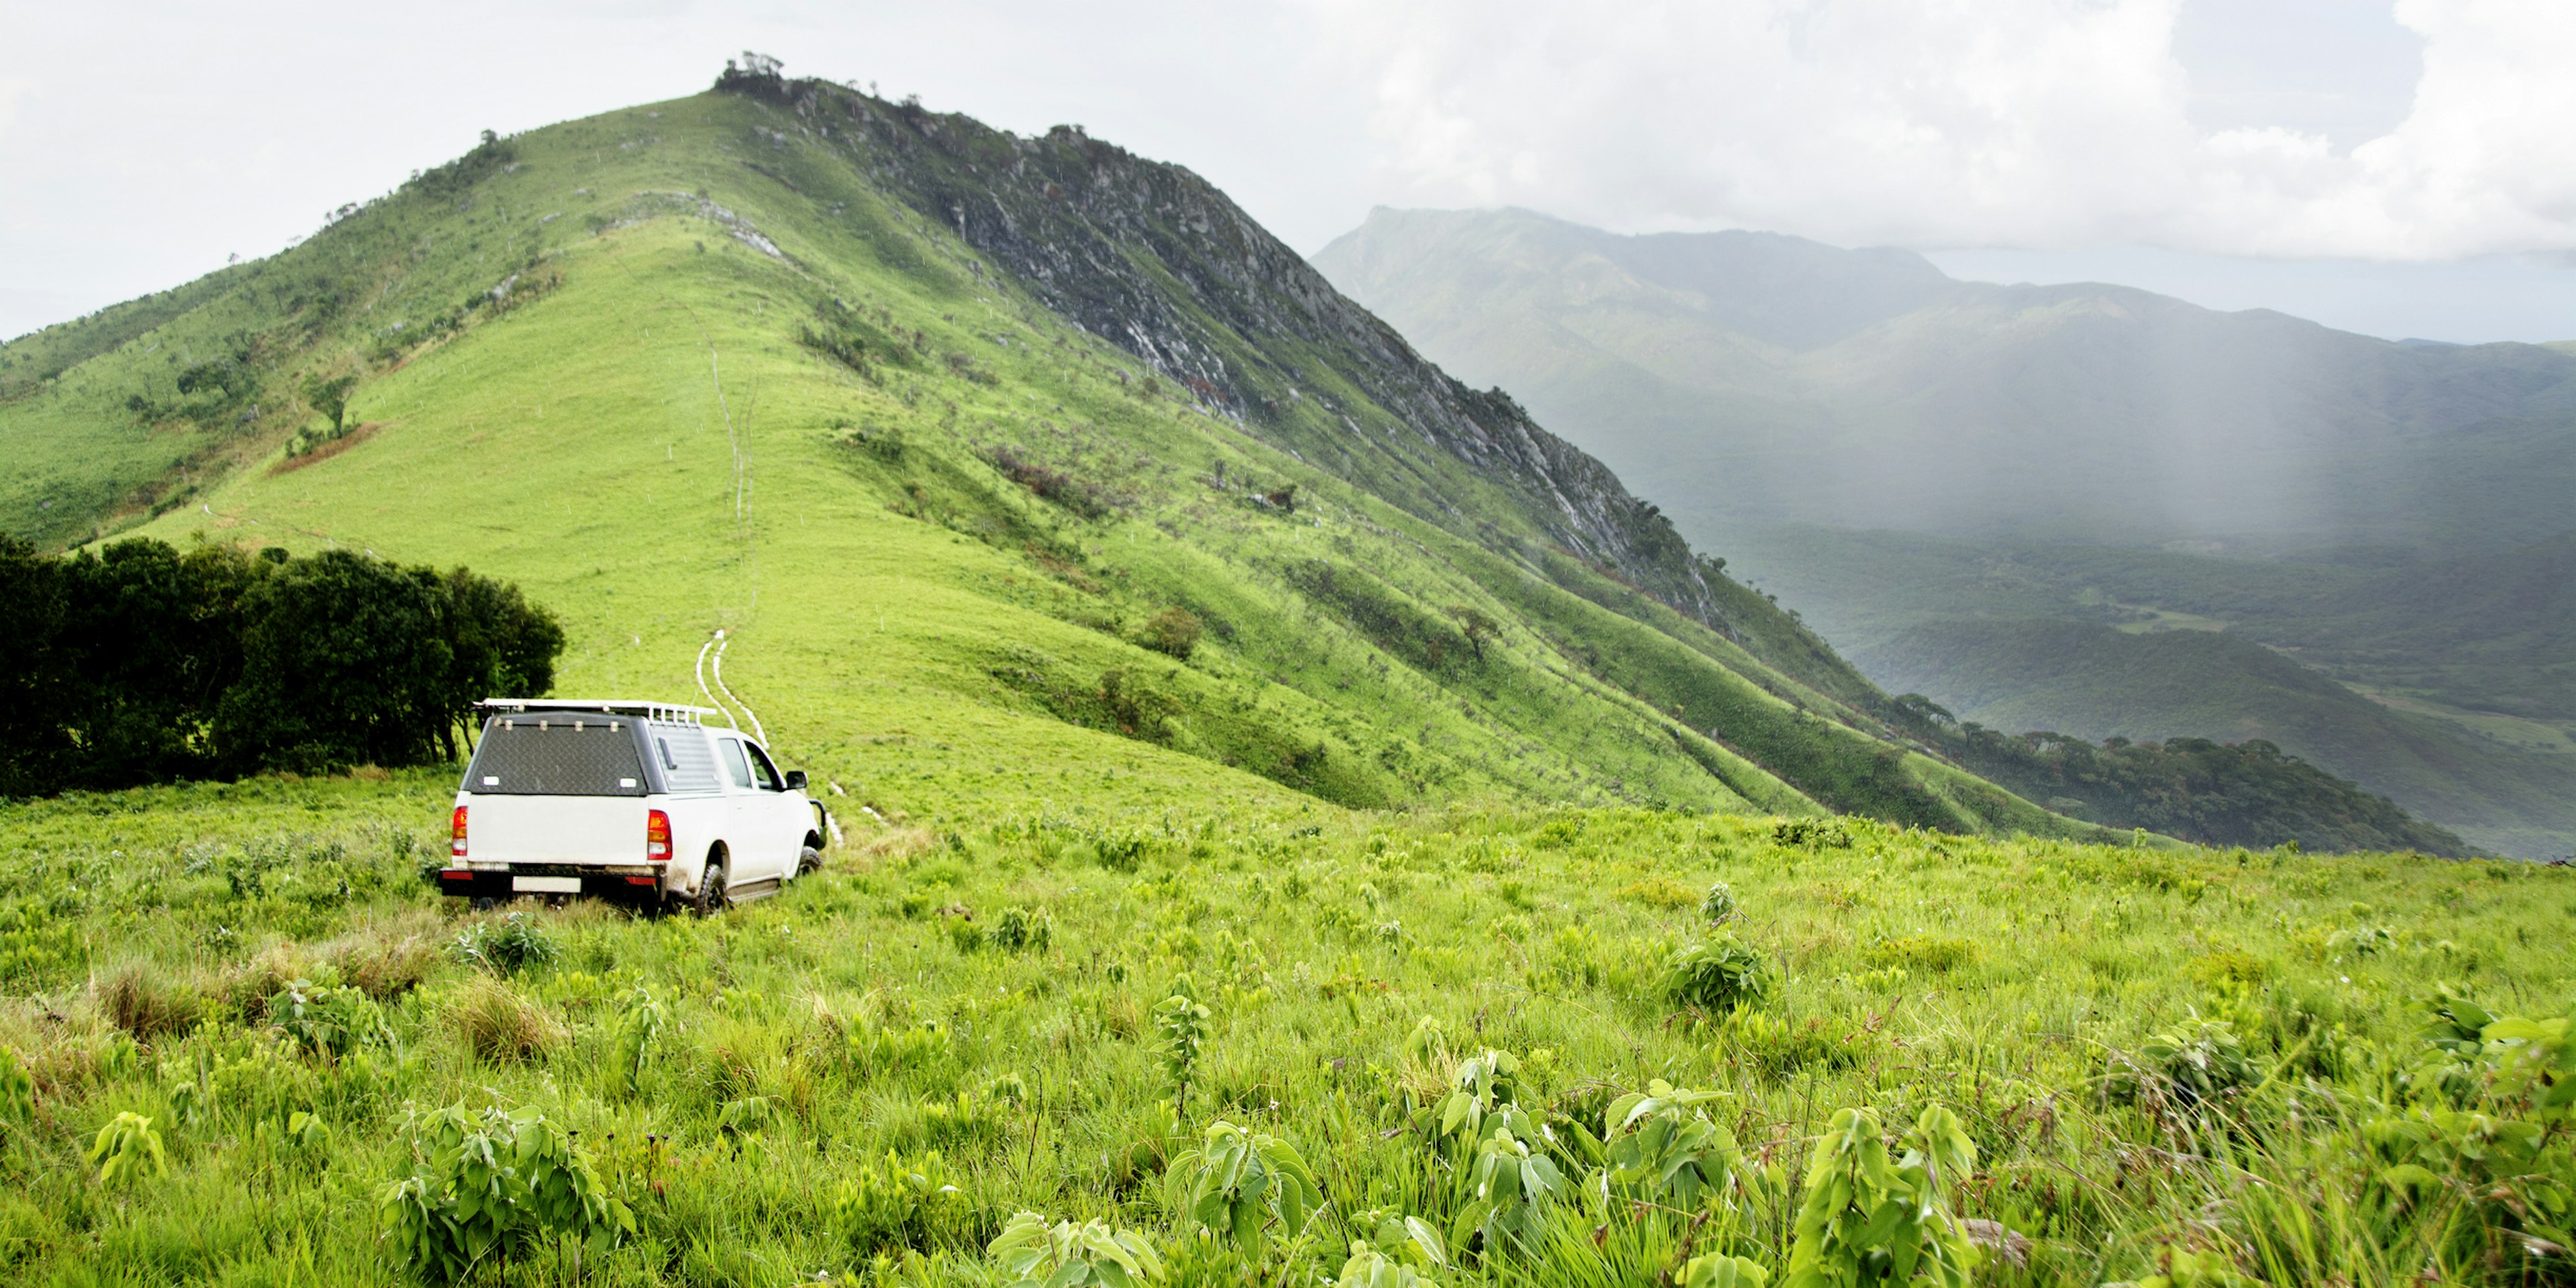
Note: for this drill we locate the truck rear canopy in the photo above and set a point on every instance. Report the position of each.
(558, 755)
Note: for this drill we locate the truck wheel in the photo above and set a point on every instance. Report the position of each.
(711, 890)
(808, 860)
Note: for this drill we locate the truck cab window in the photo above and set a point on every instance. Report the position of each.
(762, 770)
(737, 768)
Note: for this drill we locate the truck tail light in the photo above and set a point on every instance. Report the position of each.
(456, 841)
(657, 835)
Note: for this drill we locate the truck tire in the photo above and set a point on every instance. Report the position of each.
(808, 860)
(711, 898)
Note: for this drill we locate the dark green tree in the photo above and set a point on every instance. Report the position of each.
(345, 661)
(1477, 626)
(34, 674)
(499, 646)
(329, 395)
(150, 639)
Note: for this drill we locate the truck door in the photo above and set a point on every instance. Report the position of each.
(785, 816)
(747, 824)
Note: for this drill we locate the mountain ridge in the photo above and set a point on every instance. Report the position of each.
(1519, 293)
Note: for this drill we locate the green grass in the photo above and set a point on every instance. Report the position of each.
(1346, 960)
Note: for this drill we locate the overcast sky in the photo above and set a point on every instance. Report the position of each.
(2401, 168)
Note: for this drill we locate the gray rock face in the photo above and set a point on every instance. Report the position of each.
(1157, 261)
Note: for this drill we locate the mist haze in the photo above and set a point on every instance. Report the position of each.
(1954, 480)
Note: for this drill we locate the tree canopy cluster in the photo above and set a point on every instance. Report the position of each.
(2250, 793)
(141, 663)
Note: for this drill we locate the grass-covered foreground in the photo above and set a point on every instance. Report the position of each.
(246, 1045)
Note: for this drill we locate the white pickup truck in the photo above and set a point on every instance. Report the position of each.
(637, 801)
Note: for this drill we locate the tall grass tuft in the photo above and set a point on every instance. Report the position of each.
(138, 998)
(502, 1027)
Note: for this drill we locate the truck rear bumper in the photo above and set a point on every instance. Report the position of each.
(635, 882)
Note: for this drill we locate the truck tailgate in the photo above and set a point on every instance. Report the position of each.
(555, 829)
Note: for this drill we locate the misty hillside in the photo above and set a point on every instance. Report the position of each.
(1733, 362)
(1014, 470)
(2394, 516)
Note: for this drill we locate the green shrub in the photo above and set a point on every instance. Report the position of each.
(127, 1149)
(1715, 977)
(329, 1022)
(506, 948)
(1867, 1221)
(1657, 892)
(1034, 1254)
(900, 1201)
(1173, 631)
(35, 945)
(1663, 1149)
(1240, 1181)
(1717, 907)
(1370, 1268)
(1180, 1024)
(639, 1026)
(1719, 1270)
(1513, 1188)
(1395, 1240)
(1023, 929)
(2196, 1064)
(745, 1116)
(489, 1184)
(1814, 833)
(1484, 1092)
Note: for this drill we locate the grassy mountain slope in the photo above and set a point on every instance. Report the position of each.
(727, 362)
(1889, 449)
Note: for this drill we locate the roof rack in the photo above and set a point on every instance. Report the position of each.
(606, 706)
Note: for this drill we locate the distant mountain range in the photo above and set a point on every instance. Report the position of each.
(1895, 452)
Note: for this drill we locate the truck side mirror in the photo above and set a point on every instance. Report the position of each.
(796, 780)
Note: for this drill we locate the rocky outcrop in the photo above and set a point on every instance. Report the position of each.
(1156, 260)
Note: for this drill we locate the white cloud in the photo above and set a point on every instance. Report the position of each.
(141, 143)
(1956, 122)
(12, 88)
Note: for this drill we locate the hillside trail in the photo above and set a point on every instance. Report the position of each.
(720, 695)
